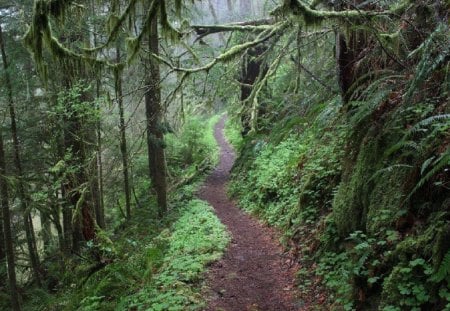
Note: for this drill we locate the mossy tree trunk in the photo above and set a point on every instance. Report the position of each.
(252, 69)
(155, 136)
(77, 185)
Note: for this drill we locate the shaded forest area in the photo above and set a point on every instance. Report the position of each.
(338, 111)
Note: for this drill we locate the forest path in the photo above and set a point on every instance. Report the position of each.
(253, 274)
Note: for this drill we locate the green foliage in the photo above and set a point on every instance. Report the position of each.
(233, 131)
(152, 267)
(294, 172)
(272, 195)
(434, 55)
(193, 146)
(336, 272)
(407, 286)
(443, 272)
(197, 238)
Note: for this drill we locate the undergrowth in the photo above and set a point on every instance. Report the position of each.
(360, 190)
(146, 263)
(176, 261)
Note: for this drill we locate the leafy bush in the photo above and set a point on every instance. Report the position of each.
(193, 146)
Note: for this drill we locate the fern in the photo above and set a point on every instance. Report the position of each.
(434, 53)
(402, 144)
(388, 169)
(426, 164)
(428, 121)
(405, 142)
(438, 165)
(443, 271)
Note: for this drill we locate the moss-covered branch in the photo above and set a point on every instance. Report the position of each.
(40, 35)
(298, 7)
(232, 52)
(251, 26)
(258, 86)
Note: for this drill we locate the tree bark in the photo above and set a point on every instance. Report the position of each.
(349, 51)
(77, 186)
(67, 223)
(97, 184)
(123, 139)
(155, 137)
(250, 71)
(23, 196)
(3, 274)
(45, 232)
(9, 247)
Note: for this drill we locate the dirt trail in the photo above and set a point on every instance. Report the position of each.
(253, 274)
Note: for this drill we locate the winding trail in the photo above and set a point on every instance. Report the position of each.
(253, 274)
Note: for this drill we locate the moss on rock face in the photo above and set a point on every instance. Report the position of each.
(351, 202)
(387, 199)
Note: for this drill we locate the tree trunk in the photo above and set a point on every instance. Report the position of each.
(67, 223)
(77, 186)
(349, 51)
(155, 137)
(97, 184)
(123, 139)
(3, 274)
(250, 71)
(9, 247)
(46, 232)
(24, 200)
(101, 212)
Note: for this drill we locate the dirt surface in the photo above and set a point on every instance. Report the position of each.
(253, 274)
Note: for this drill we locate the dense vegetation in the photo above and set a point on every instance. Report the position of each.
(339, 112)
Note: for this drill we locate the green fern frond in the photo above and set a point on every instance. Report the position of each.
(435, 50)
(403, 144)
(388, 169)
(443, 271)
(426, 164)
(438, 165)
(430, 120)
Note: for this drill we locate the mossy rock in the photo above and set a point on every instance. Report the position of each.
(387, 199)
(351, 202)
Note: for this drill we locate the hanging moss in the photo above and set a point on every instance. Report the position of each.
(168, 30)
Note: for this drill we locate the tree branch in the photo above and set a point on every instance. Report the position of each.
(231, 53)
(298, 7)
(250, 26)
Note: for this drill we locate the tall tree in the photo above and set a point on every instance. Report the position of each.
(9, 246)
(153, 108)
(123, 139)
(23, 196)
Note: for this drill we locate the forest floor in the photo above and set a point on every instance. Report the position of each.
(254, 273)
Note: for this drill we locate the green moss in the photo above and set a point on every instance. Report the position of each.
(387, 199)
(351, 202)
(198, 238)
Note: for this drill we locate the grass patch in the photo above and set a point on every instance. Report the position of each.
(197, 239)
